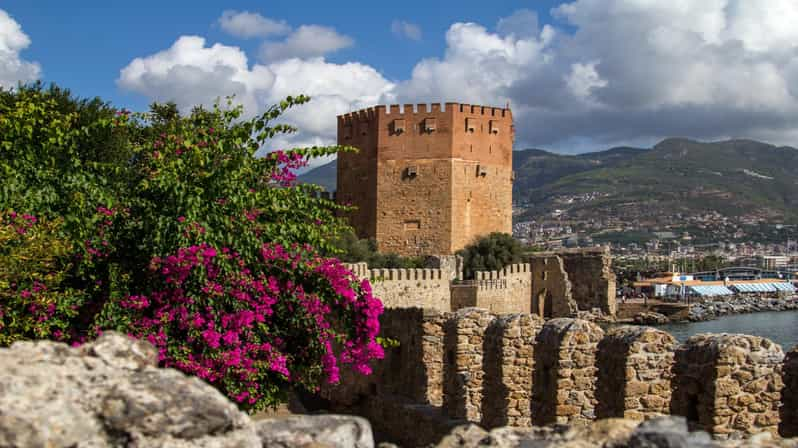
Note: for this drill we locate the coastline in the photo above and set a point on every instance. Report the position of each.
(711, 310)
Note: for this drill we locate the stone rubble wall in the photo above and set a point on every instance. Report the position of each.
(464, 343)
(789, 395)
(565, 372)
(513, 370)
(634, 373)
(509, 363)
(729, 384)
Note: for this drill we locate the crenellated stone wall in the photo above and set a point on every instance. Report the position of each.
(509, 362)
(515, 370)
(565, 370)
(506, 291)
(408, 288)
(549, 285)
(728, 384)
(634, 373)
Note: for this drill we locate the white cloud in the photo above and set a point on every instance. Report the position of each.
(607, 72)
(191, 72)
(627, 71)
(14, 69)
(246, 25)
(521, 23)
(406, 30)
(308, 41)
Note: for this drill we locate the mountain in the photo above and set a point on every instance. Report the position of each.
(324, 175)
(732, 178)
(535, 168)
(676, 176)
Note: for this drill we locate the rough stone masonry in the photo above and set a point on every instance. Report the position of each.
(496, 370)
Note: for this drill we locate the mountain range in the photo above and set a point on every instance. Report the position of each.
(676, 176)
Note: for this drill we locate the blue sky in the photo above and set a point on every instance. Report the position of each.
(581, 75)
(84, 44)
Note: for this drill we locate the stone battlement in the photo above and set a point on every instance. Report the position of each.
(520, 268)
(407, 288)
(398, 111)
(517, 370)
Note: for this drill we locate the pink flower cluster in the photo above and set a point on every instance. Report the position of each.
(20, 223)
(245, 327)
(287, 163)
(99, 246)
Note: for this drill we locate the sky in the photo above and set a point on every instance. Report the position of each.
(582, 75)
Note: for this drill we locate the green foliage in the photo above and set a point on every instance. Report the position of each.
(35, 302)
(490, 253)
(135, 222)
(59, 155)
(352, 249)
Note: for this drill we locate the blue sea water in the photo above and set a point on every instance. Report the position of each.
(780, 327)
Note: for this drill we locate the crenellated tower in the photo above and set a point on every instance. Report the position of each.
(428, 179)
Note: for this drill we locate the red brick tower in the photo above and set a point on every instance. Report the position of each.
(427, 180)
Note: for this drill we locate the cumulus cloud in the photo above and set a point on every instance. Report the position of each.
(308, 41)
(246, 25)
(521, 23)
(605, 72)
(406, 30)
(14, 69)
(191, 72)
(619, 71)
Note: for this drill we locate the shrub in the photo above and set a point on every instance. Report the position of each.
(490, 253)
(192, 242)
(34, 302)
(253, 330)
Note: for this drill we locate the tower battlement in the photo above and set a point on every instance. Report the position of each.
(401, 110)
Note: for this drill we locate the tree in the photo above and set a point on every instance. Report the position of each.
(490, 253)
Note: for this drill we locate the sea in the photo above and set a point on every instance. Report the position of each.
(780, 327)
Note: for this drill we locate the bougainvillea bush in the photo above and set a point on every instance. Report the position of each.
(217, 257)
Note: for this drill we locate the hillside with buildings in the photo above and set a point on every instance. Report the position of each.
(736, 178)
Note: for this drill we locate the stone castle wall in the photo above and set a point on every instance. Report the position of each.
(505, 291)
(495, 370)
(546, 286)
(407, 288)
(551, 287)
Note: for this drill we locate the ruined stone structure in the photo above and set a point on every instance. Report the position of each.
(571, 280)
(546, 286)
(427, 180)
(551, 288)
(494, 370)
